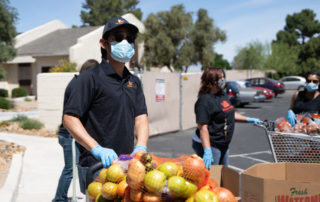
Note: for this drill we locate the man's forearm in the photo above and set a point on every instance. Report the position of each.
(78, 132)
(142, 129)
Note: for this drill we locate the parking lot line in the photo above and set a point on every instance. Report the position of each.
(252, 153)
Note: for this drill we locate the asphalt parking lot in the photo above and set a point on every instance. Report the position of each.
(249, 145)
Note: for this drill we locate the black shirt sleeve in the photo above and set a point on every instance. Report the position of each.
(202, 110)
(140, 105)
(79, 95)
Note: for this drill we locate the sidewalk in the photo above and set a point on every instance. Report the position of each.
(43, 163)
(9, 115)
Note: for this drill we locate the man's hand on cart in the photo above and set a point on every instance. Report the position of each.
(139, 148)
(207, 157)
(253, 120)
(105, 155)
(292, 117)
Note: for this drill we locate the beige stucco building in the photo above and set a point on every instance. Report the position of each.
(41, 48)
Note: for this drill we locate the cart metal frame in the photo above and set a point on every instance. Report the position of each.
(292, 147)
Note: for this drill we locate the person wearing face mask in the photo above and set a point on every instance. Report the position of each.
(215, 117)
(307, 101)
(105, 108)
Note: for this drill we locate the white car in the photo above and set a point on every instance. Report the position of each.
(293, 82)
(248, 94)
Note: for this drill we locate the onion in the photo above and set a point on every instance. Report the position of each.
(148, 197)
(224, 195)
(135, 195)
(193, 168)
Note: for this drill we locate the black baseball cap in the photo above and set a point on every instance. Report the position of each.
(117, 22)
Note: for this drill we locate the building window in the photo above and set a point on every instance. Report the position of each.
(45, 69)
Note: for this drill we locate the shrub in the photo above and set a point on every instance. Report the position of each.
(2, 73)
(27, 99)
(65, 66)
(5, 104)
(18, 92)
(29, 124)
(4, 123)
(19, 118)
(3, 92)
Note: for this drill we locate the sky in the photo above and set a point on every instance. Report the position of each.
(244, 21)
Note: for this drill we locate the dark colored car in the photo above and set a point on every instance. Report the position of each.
(233, 92)
(276, 86)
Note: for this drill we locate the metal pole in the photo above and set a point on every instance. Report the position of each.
(180, 101)
(74, 171)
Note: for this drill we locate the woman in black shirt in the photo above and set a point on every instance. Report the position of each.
(307, 101)
(215, 117)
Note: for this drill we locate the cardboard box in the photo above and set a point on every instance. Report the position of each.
(227, 178)
(281, 182)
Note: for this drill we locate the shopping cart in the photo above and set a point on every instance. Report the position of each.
(292, 147)
(90, 177)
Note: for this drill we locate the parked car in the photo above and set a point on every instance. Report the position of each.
(276, 86)
(242, 96)
(293, 82)
(269, 94)
(232, 90)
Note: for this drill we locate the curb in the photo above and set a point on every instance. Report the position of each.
(10, 188)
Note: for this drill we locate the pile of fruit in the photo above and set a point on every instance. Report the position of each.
(148, 178)
(306, 123)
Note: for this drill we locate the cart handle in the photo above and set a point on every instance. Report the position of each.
(91, 171)
(267, 125)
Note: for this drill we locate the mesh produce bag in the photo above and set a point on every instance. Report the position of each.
(153, 178)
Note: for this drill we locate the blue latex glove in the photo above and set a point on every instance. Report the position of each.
(207, 157)
(292, 117)
(253, 120)
(138, 148)
(105, 155)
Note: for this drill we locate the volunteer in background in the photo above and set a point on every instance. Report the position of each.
(307, 101)
(65, 140)
(106, 103)
(215, 117)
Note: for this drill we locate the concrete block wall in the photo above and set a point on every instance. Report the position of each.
(164, 116)
(51, 87)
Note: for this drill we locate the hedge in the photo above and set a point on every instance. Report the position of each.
(18, 92)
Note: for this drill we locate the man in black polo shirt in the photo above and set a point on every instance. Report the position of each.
(106, 103)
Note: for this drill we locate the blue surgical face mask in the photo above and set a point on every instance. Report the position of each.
(311, 87)
(222, 83)
(122, 51)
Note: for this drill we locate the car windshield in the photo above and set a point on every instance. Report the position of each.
(248, 84)
(273, 80)
(233, 84)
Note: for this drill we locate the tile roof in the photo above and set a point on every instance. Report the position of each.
(56, 43)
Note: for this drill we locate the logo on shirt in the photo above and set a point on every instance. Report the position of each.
(226, 106)
(131, 84)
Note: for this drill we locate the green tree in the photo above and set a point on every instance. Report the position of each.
(204, 35)
(166, 38)
(185, 57)
(98, 12)
(8, 17)
(253, 56)
(220, 62)
(283, 59)
(172, 40)
(302, 34)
